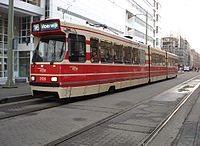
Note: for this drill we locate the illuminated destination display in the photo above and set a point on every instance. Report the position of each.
(48, 25)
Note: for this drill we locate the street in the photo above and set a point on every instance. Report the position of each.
(123, 118)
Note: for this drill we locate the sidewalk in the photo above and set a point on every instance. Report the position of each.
(189, 134)
(22, 89)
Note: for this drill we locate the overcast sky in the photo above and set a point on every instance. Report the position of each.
(182, 17)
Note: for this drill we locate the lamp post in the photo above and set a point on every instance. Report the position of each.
(146, 23)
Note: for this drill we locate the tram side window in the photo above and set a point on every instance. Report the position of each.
(169, 61)
(118, 54)
(162, 60)
(136, 59)
(94, 50)
(153, 58)
(142, 57)
(158, 59)
(76, 48)
(172, 62)
(175, 62)
(106, 52)
(127, 55)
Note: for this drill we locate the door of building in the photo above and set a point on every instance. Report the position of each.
(24, 64)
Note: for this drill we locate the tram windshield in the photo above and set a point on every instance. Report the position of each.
(50, 49)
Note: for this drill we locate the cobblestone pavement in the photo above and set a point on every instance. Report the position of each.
(21, 89)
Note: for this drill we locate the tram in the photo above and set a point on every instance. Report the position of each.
(73, 60)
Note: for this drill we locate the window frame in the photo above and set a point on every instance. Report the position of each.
(75, 54)
(94, 50)
(106, 47)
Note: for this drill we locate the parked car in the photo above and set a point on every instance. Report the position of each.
(186, 68)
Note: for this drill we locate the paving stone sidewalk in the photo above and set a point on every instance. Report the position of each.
(22, 89)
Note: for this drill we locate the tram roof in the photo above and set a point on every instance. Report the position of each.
(101, 31)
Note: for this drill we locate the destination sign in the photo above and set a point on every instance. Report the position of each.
(48, 25)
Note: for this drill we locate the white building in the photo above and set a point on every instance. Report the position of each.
(25, 11)
(126, 17)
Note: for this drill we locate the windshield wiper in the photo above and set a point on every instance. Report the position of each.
(51, 62)
(34, 58)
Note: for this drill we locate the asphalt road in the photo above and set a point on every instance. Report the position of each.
(43, 127)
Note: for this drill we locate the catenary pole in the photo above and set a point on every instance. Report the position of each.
(146, 34)
(9, 82)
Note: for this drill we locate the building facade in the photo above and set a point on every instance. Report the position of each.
(178, 46)
(195, 60)
(137, 19)
(134, 18)
(25, 11)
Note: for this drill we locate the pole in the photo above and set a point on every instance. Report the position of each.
(9, 82)
(146, 35)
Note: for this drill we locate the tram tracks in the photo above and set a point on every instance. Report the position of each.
(165, 121)
(79, 119)
(23, 107)
(185, 90)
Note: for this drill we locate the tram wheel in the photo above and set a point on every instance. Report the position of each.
(111, 89)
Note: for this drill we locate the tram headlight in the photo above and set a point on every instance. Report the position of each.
(33, 78)
(54, 79)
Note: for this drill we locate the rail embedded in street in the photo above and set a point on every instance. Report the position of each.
(23, 107)
(148, 108)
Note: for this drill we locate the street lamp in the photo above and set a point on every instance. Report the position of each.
(146, 23)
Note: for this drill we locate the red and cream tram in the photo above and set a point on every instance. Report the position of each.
(73, 60)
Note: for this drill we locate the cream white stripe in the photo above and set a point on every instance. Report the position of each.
(88, 74)
(114, 73)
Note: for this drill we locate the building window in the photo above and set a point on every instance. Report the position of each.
(25, 30)
(24, 65)
(157, 41)
(157, 5)
(47, 8)
(139, 34)
(36, 18)
(33, 2)
(140, 21)
(157, 17)
(156, 29)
